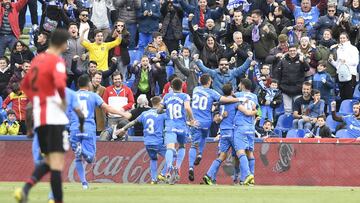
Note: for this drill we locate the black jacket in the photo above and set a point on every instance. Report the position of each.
(125, 41)
(274, 103)
(324, 132)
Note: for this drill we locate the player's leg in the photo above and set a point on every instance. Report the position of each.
(250, 154)
(181, 139)
(241, 144)
(152, 152)
(202, 143)
(76, 147)
(88, 146)
(170, 140)
(162, 152)
(195, 140)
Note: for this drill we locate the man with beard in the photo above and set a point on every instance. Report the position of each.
(352, 121)
(84, 23)
(9, 24)
(41, 41)
(98, 89)
(223, 75)
(301, 104)
(295, 33)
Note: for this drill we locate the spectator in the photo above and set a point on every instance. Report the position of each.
(308, 50)
(290, 72)
(118, 96)
(9, 24)
(343, 25)
(19, 102)
(18, 75)
(120, 52)
(238, 49)
(351, 121)
(168, 88)
(99, 16)
(223, 75)
(100, 90)
(354, 12)
(301, 104)
(278, 20)
(74, 49)
(127, 13)
(20, 53)
(325, 22)
(265, 131)
(171, 29)
(10, 126)
(310, 14)
(71, 8)
(322, 51)
(347, 60)
(263, 35)
(269, 99)
(323, 82)
(277, 53)
(53, 16)
(84, 23)
(235, 25)
(144, 78)
(148, 17)
(265, 76)
(99, 50)
(5, 75)
(295, 33)
(41, 42)
(187, 69)
(159, 55)
(33, 15)
(321, 130)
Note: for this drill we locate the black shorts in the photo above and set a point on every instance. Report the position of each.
(51, 138)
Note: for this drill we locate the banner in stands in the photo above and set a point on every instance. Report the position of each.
(276, 164)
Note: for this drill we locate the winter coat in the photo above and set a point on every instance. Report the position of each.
(74, 48)
(149, 24)
(20, 57)
(191, 74)
(151, 50)
(99, 114)
(4, 81)
(324, 22)
(13, 16)
(350, 54)
(326, 89)
(171, 20)
(152, 71)
(12, 130)
(127, 10)
(276, 101)
(19, 103)
(125, 40)
(241, 54)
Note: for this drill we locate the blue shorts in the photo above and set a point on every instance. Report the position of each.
(243, 140)
(154, 150)
(226, 140)
(87, 140)
(174, 136)
(197, 134)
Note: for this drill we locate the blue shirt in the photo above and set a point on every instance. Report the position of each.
(72, 101)
(228, 121)
(201, 104)
(352, 125)
(153, 126)
(247, 123)
(88, 102)
(175, 110)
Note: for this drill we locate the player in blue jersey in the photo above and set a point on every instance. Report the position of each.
(178, 110)
(153, 136)
(226, 116)
(84, 143)
(244, 134)
(203, 99)
(352, 121)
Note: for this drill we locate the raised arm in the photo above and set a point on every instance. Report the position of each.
(335, 117)
(290, 5)
(205, 69)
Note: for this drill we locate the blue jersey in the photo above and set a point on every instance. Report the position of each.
(201, 104)
(228, 122)
(175, 110)
(72, 101)
(88, 102)
(247, 123)
(153, 126)
(352, 125)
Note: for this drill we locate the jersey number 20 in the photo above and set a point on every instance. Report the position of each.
(199, 102)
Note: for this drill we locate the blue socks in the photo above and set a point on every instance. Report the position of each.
(202, 145)
(244, 167)
(80, 169)
(192, 156)
(169, 157)
(214, 169)
(252, 165)
(180, 157)
(153, 169)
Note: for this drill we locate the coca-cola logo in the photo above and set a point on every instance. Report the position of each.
(286, 152)
(122, 169)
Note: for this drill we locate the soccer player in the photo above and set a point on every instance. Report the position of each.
(45, 84)
(352, 121)
(226, 116)
(244, 133)
(84, 143)
(178, 107)
(153, 136)
(202, 101)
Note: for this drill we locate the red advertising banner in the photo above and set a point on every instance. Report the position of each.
(276, 164)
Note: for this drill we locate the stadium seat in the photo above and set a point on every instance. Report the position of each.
(135, 55)
(279, 110)
(343, 133)
(295, 133)
(356, 94)
(129, 83)
(331, 123)
(346, 106)
(284, 124)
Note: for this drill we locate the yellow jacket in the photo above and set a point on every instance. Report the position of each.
(6, 129)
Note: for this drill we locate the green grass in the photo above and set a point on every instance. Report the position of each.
(113, 193)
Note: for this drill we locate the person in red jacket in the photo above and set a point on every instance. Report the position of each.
(167, 86)
(9, 23)
(118, 96)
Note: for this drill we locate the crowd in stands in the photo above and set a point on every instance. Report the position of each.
(301, 55)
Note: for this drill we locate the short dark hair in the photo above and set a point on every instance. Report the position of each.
(223, 59)
(293, 46)
(176, 84)
(83, 80)
(10, 111)
(322, 116)
(4, 58)
(267, 121)
(227, 89)
(323, 63)
(156, 34)
(204, 79)
(315, 91)
(116, 73)
(93, 62)
(307, 83)
(82, 10)
(98, 73)
(247, 83)
(257, 12)
(274, 81)
(59, 37)
(97, 31)
(72, 23)
(155, 100)
(172, 77)
(46, 34)
(15, 86)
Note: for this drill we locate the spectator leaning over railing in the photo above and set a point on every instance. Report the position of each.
(352, 121)
(10, 126)
(9, 24)
(99, 50)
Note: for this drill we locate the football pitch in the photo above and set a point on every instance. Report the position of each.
(113, 193)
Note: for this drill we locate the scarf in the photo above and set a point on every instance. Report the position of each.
(255, 33)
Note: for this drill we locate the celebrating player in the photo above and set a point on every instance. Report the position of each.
(153, 136)
(202, 101)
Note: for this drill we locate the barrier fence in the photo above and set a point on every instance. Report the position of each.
(278, 162)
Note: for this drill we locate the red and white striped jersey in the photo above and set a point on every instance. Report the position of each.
(45, 84)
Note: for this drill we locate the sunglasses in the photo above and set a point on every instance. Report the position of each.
(331, 10)
(84, 15)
